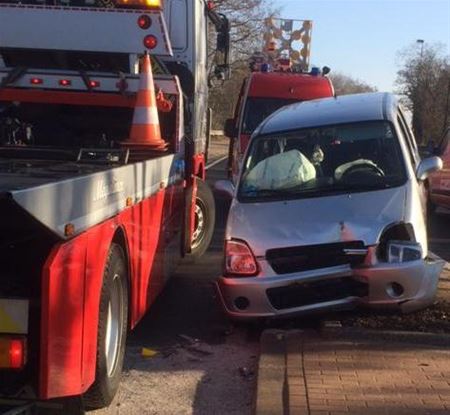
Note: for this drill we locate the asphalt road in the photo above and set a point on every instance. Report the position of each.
(203, 364)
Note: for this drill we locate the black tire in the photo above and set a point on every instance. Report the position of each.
(114, 288)
(205, 203)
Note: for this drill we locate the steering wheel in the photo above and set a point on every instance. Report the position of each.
(357, 168)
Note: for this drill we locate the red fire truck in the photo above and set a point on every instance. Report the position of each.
(262, 93)
(91, 229)
(279, 77)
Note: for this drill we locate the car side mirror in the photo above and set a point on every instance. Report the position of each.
(225, 188)
(230, 128)
(428, 166)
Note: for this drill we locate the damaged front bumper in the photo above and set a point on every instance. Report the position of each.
(405, 286)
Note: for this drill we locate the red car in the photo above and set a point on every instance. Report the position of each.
(439, 182)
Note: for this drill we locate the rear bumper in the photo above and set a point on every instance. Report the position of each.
(416, 286)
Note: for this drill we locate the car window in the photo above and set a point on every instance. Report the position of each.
(340, 158)
(257, 109)
(409, 139)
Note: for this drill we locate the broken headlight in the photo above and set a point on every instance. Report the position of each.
(403, 251)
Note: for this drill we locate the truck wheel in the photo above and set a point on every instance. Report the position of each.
(112, 331)
(205, 217)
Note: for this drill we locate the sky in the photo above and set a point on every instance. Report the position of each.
(362, 38)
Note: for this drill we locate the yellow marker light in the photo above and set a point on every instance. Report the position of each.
(69, 229)
(156, 4)
(146, 4)
(129, 201)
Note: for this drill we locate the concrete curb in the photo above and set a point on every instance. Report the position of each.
(271, 381)
(394, 336)
(281, 384)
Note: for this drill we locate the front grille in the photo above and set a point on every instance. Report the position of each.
(315, 292)
(304, 258)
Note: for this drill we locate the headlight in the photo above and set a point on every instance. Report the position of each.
(403, 251)
(239, 260)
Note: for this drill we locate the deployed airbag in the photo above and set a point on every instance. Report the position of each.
(280, 171)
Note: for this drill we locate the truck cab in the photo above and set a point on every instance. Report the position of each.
(262, 93)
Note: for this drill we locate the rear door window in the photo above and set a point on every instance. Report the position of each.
(257, 109)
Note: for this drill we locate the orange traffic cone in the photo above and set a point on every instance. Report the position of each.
(145, 131)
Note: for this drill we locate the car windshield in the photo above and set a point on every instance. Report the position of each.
(319, 161)
(257, 109)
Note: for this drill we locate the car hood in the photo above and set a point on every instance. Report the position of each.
(319, 220)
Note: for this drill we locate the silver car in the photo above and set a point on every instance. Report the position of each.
(329, 212)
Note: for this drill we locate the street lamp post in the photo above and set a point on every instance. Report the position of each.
(418, 107)
(421, 42)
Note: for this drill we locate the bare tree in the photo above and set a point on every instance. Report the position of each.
(424, 82)
(345, 84)
(247, 30)
(247, 25)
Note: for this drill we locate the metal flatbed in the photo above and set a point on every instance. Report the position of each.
(81, 188)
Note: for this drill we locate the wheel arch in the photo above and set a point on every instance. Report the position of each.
(120, 238)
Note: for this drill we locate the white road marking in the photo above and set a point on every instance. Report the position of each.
(215, 163)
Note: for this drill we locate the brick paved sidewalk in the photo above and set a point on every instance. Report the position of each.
(305, 373)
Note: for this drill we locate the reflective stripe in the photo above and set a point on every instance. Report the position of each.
(145, 115)
(146, 82)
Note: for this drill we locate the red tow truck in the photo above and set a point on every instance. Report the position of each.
(91, 229)
(279, 77)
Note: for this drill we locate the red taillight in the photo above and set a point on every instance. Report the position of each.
(65, 82)
(150, 42)
(144, 21)
(36, 81)
(94, 84)
(17, 354)
(239, 259)
(12, 353)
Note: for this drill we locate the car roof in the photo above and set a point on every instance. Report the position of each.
(329, 111)
(289, 85)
